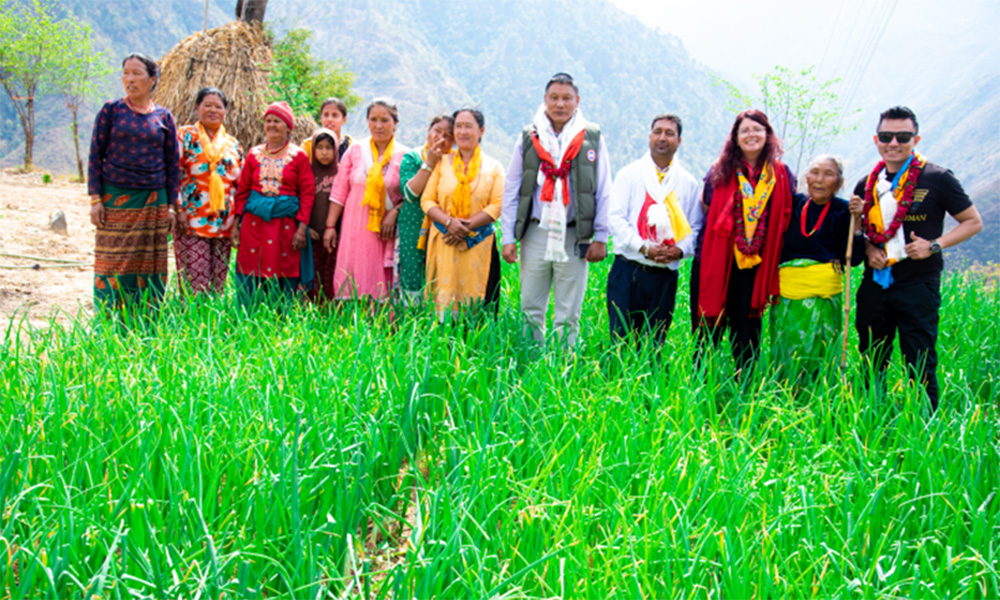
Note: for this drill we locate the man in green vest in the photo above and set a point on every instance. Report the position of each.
(555, 203)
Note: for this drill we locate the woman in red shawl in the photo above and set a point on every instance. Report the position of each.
(748, 201)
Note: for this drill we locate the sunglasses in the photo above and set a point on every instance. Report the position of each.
(903, 137)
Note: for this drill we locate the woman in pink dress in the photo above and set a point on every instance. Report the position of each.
(366, 193)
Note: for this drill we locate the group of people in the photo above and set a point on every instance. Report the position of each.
(372, 220)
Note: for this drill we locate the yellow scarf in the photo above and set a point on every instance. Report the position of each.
(820, 280)
(754, 202)
(461, 203)
(212, 151)
(678, 221)
(375, 186)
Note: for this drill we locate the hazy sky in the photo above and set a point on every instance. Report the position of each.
(839, 37)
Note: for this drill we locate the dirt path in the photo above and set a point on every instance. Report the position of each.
(25, 206)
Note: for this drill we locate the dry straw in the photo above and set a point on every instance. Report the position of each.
(236, 58)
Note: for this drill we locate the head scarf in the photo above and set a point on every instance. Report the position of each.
(283, 112)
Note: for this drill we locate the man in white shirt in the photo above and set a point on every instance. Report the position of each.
(654, 219)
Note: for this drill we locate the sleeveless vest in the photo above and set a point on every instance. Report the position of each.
(582, 180)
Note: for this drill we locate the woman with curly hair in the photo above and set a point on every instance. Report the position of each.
(748, 201)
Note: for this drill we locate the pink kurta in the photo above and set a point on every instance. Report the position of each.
(364, 260)
(266, 247)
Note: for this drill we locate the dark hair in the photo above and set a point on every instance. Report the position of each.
(899, 112)
(323, 135)
(336, 102)
(729, 161)
(564, 78)
(442, 117)
(668, 117)
(476, 114)
(211, 91)
(385, 103)
(152, 69)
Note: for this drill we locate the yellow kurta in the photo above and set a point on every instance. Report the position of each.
(457, 274)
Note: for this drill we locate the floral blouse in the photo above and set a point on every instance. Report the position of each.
(202, 221)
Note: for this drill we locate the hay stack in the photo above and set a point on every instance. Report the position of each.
(235, 58)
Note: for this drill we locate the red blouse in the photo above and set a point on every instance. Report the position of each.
(266, 247)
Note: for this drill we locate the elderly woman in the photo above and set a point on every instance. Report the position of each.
(414, 172)
(274, 201)
(211, 160)
(463, 198)
(807, 319)
(366, 193)
(133, 184)
(748, 201)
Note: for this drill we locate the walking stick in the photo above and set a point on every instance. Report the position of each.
(847, 295)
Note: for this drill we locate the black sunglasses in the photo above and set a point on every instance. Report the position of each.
(903, 137)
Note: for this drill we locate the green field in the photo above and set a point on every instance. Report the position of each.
(324, 456)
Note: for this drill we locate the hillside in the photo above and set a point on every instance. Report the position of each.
(429, 64)
(433, 56)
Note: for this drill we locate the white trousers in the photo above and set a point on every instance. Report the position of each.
(542, 278)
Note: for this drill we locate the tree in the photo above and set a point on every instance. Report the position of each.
(30, 45)
(303, 81)
(805, 113)
(75, 73)
(251, 10)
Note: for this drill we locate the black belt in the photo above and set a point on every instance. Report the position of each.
(536, 222)
(644, 266)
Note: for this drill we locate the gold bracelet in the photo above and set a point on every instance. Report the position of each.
(99, 199)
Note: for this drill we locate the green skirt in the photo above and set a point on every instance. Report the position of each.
(804, 331)
(411, 258)
(130, 250)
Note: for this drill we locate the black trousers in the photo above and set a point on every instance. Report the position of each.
(640, 297)
(744, 329)
(912, 312)
(491, 299)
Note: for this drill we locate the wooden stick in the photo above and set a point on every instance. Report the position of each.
(847, 291)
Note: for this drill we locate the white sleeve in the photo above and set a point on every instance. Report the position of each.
(623, 231)
(692, 210)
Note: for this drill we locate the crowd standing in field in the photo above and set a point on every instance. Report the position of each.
(375, 222)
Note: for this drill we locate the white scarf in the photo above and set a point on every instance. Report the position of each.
(895, 248)
(657, 215)
(366, 161)
(554, 213)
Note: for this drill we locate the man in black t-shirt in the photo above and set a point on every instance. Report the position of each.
(900, 291)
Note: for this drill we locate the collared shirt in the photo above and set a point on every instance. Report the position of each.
(627, 199)
(512, 195)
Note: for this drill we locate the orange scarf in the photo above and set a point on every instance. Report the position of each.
(212, 151)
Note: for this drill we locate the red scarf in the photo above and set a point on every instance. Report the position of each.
(551, 172)
(720, 237)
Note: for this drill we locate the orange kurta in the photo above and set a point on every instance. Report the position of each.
(457, 274)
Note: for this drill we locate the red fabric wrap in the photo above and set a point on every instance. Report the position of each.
(550, 170)
(647, 231)
(720, 237)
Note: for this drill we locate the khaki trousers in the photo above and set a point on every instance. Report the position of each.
(541, 278)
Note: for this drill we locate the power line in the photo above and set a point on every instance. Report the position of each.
(871, 54)
(833, 33)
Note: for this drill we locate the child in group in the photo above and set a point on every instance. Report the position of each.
(332, 116)
(325, 160)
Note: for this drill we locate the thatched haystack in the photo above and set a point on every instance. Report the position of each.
(235, 58)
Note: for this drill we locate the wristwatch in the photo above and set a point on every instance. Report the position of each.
(935, 247)
(426, 167)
